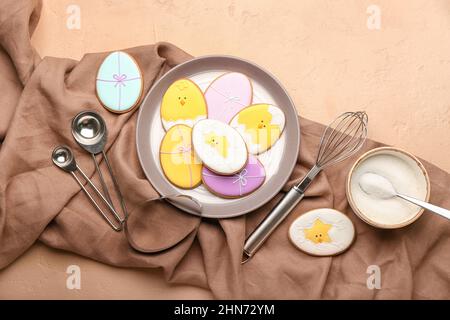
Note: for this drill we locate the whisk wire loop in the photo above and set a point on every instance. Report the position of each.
(342, 138)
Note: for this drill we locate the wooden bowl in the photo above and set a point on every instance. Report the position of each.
(414, 163)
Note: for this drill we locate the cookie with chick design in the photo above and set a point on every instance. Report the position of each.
(220, 147)
(261, 125)
(183, 103)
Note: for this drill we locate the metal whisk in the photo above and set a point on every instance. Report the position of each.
(340, 140)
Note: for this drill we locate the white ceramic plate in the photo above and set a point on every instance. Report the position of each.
(279, 161)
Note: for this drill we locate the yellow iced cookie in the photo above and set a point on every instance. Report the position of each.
(178, 161)
(260, 125)
(183, 103)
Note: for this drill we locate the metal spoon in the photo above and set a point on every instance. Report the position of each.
(89, 130)
(62, 157)
(379, 186)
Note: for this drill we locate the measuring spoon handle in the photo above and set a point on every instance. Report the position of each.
(116, 228)
(431, 207)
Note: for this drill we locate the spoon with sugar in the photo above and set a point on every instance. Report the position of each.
(378, 186)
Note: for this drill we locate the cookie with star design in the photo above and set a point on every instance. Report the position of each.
(322, 232)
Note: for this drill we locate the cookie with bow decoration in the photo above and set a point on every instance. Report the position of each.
(119, 83)
(178, 161)
(238, 185)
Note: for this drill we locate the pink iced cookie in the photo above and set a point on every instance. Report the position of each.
(227, 95)
(237, 185)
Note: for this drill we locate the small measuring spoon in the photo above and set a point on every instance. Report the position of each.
(382, 188)
(89, 130)
(62, 157)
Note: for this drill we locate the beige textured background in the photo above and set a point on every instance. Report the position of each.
(322, 51)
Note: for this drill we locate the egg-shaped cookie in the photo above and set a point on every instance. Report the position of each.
(322, 232)
(220, 147)
(227, 95)
(183, 103)
(178, 161)
(238, 185)
(261, 125)
(119, 82)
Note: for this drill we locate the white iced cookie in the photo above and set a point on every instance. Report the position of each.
(220, 147)
(322, 232)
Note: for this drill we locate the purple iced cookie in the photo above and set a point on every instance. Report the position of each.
(236, 185)
(227, 95)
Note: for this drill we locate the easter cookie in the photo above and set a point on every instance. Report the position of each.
(183, 103)
(178, 161)
(227, 95)
(260, 125)
(238, 185)
(219, 146)
(119, 82)
(322, 232)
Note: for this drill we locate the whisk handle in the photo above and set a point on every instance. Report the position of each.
(271, 222)
(277, 215)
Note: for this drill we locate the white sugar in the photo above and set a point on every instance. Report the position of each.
(377, 186)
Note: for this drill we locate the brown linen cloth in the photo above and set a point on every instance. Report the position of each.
(40, 202)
